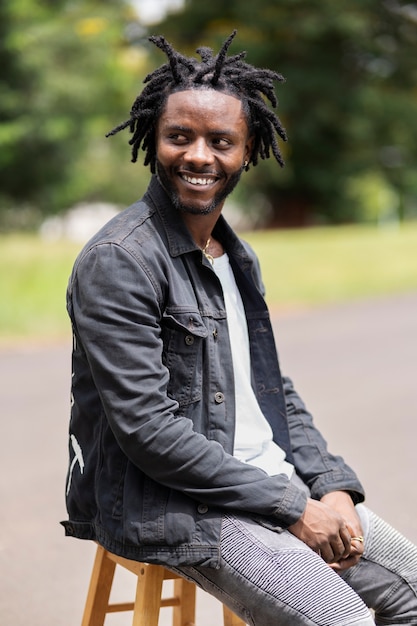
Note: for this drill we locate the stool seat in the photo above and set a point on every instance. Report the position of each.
(148, 600)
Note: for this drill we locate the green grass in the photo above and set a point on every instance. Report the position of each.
(333, 264)
(33, 279)
(300, 268)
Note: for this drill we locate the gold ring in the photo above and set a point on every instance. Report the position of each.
(360, 538)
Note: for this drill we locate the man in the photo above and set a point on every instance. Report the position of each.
(187, 448)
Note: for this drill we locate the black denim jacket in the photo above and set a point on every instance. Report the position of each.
(153, 415)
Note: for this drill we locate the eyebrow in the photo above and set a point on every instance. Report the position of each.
(178, 127)
(216, 132)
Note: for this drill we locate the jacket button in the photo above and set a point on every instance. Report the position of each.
(219, 397)
(189, 340)
(202, 508)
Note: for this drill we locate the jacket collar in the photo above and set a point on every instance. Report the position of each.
(178, 236)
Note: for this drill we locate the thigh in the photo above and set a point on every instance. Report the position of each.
(386, 576)
(271, 578)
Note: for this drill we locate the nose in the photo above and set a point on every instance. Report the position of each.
(199, 153)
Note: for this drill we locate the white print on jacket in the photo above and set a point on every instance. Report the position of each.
(78, 456)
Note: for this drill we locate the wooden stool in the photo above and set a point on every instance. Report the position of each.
(148, 599)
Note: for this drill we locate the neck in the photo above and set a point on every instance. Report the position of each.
(201, 226)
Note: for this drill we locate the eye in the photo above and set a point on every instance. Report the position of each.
(221, 142)
(177, 138)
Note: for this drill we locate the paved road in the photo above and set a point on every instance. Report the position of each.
(354, 365)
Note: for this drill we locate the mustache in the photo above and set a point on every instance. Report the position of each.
(199, 170)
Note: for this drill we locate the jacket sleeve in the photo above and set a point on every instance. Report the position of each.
(320, 470)
(115, 308)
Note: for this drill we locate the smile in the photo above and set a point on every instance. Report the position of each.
(198, 181)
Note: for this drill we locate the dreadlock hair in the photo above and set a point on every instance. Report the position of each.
(230, 75)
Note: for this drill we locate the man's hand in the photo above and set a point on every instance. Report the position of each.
(329, 527)
(341, 502)
(325, 530)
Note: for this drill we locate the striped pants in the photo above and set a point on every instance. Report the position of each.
(272, 578)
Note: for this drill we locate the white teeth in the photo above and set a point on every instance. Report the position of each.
(198, 181)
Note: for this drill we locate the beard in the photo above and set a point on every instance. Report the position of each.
(189, 207)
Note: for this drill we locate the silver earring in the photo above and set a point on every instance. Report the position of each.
(246, 163)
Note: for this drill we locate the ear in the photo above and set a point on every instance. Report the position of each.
(248, 150)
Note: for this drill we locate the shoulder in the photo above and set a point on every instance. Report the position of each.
(122, 226)
(129, 243)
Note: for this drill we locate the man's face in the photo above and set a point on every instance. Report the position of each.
(202, 142)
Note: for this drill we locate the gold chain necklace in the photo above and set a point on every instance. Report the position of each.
(206, 254)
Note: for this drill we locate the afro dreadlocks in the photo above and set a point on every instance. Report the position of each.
(227, 74)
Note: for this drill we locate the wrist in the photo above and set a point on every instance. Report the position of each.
(338, 496)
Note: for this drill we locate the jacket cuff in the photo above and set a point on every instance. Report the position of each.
(291, 506)
(338, 481)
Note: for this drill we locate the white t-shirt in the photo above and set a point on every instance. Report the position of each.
(253, 435)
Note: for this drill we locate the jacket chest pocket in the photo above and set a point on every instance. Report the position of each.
(183, 335)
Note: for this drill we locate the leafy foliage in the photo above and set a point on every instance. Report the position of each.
(70, 70)
(349, 104)
(66, 71)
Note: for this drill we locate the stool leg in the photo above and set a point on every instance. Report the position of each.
(184, 612)
(148, 596)
(230, 618)
(99, 590)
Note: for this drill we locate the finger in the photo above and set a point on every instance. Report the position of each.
(344, 564)
(341, 545)
(327, 554)
(339, 566)
(358, 540)
(346, 538)
(339, 550)
(355, 550)
(357, 546)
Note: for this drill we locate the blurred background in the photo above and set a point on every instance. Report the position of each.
(70, 70)
(335, 230)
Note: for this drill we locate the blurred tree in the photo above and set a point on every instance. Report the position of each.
(67, 70)
(350, 104)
